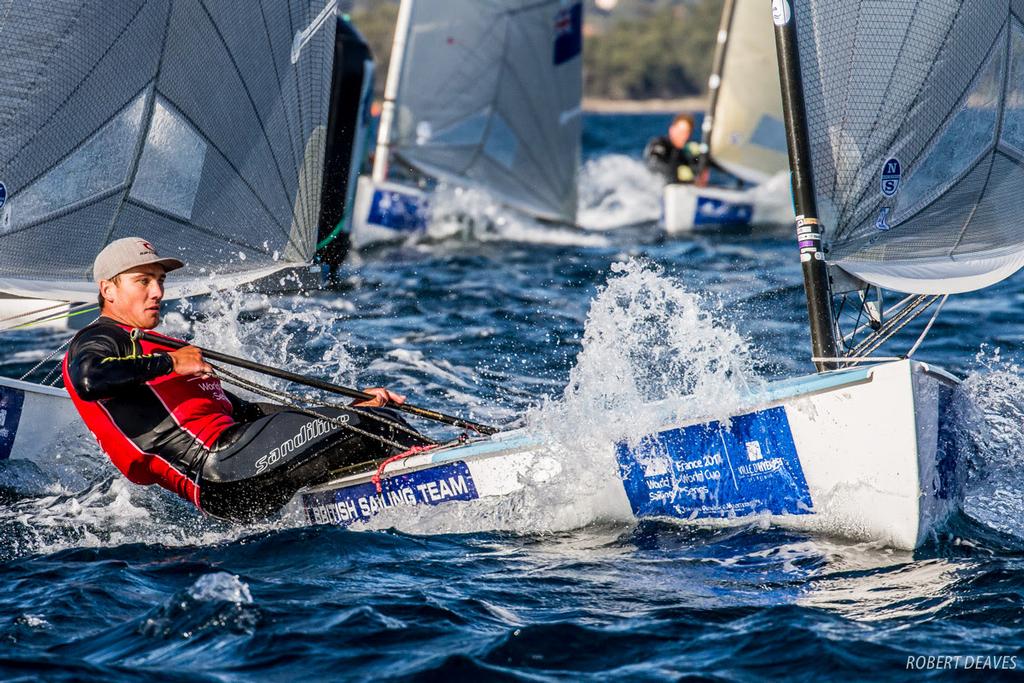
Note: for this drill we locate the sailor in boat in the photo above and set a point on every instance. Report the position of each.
(675, 156)
(163, 417)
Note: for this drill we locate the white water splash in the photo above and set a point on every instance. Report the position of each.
(474, 215)
(241, 323)
(615, 191)
(220, 586)
(653, 354)
(991, 424)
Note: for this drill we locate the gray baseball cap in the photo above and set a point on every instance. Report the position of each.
(125, 254)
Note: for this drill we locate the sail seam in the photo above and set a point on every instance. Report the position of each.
(897, 132)
(74, 90)
(147, 116)
(936, 134)
(136, 202)
(280, 87)
(259, 120)
(1007, 67)
(85, 140)
(69, 209)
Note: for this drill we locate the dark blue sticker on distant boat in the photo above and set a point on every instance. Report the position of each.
(891, 174)
(11, 401)
(712, 470)
(398, 211)
(433, 486)
(568, 33)
(3, 195)
(711, 211)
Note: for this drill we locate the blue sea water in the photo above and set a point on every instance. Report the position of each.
(106, 581)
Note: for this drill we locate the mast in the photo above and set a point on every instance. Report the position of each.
(808, 228)
(714, 82)
(382, 154)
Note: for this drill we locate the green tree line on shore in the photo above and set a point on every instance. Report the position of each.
(644, 49)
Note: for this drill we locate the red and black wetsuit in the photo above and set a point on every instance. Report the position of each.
(230, 457)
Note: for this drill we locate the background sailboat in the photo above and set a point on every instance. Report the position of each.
(480, 94)
(222, 131)
(742, 132)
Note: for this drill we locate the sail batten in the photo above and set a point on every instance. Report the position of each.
(488, 95)
(196, 124)
(915, 118)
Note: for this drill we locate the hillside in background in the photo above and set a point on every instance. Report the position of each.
(642, 49)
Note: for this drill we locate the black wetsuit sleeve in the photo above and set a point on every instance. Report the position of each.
(103, 361)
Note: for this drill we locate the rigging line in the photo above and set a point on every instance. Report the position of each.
(81, 309)
(78, 309)
(908, 319)
(928, 326)
(337, 422)
(31, 313)
(270, 392)
(896, 307)
(872, 342)
(890, 327)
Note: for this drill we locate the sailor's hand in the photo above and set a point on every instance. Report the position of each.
(188, 360)
(381, 397)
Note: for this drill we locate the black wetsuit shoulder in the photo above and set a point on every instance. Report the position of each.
(104, 361)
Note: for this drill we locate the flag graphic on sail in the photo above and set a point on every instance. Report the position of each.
(489, 96)
(915, 118)
(748, 136)
(198, 124)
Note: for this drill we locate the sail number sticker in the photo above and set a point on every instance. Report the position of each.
(891, 174)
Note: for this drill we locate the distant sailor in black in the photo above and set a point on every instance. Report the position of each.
(675, 156)
(163, 418)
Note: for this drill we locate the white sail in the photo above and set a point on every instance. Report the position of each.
(489, 94)
(748, 135)
(915, 119)
(199, 125)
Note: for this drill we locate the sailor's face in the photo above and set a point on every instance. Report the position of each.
(679, 133)
(134, 297)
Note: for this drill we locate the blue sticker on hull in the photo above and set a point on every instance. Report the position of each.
(398, 211)
(711, 211)
(433, 486)
(711, 470)
(11, 401)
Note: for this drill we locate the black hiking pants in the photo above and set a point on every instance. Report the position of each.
(256, 467)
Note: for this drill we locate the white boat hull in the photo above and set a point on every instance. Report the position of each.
(33, 419)
(687, 208)
(861, 454)
(865, 453)
(387, 212)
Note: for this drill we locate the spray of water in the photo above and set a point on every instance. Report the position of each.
(990, 416)
(77, 499)
(474, 215)
(616, 190)
(653, 354)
